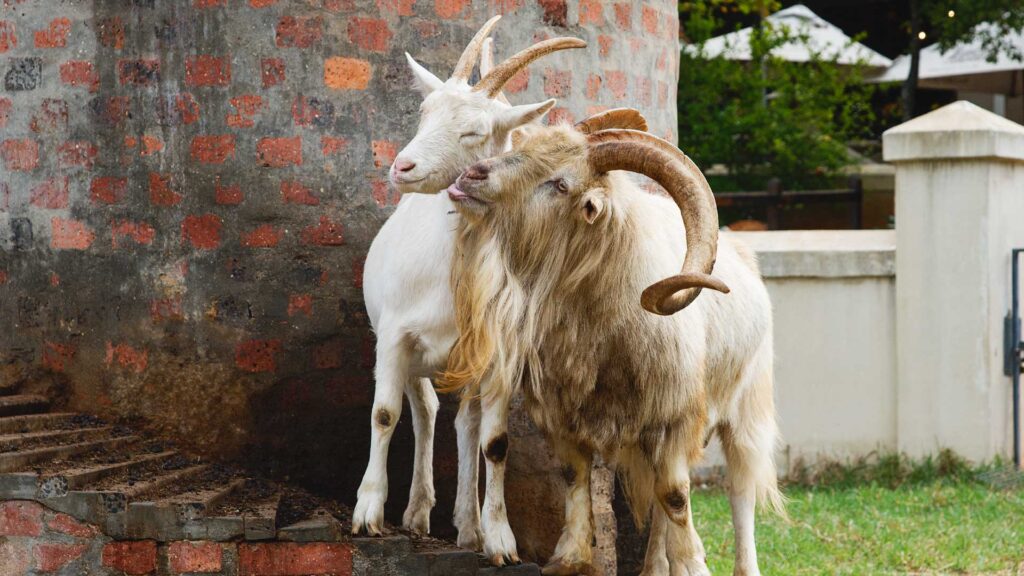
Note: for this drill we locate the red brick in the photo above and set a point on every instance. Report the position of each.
(139, 232)
(52, 116)
(339, 5)
(519, 82)
(637, 45)
(54, 279)
(202, 231)
(5, 111)
(131, 557)
(329, 355)
(300, 303)
(560, 115)
(593, 86)
(80, 73)
(643, 90)
(331, 145)
(347, 73)
(624, 15)
(20, 155)
(448, 9)
(206, 70)
(557, 82)
(662, 93)
(67, 525)
(55, 358)
(617, 83)
(396, 7)
(77, 153)
(293, 192)
(312, 111)
(51, 557)
(184, 109)
(294, 559)
(160, 192)
(272, 71)
(369, 33)
(555, 12)
(150, 144)
(3, 277)
(51, 194)
(246, 107)
(262, 3)
(166, 309)
(127, 357)
(650, 19)
(326, 233)
(8, 38)
(384, 152)
(279, 152)
(208, 3)
(69, 234)
(110, 32)
(357, 272)
(382, 193)
(604, 45)
(107, 189)
(426, 28)
(257, 355)
(213, 149)
(299, 32)
(195, 557)
(139, 72)
(227, 195)
(264, 236)
(18, 518)
(591, 12)
(55, 35)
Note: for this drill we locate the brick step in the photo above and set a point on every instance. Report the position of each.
(9, 388)
(45, 438)
(23, 404)
(36, 422)
(24, 459)
(57, 485)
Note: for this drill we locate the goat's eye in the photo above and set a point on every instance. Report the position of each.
(561, 185)
(471, 136)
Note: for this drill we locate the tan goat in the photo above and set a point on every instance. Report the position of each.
(552, 253)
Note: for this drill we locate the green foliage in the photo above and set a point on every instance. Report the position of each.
(1001, 18)
(766, 117)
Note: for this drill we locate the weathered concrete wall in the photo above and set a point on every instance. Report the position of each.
(188, 189)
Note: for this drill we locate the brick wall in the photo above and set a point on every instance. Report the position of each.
(188, 189)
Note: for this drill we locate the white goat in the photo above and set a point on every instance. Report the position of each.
(406, 287)
(554, 247)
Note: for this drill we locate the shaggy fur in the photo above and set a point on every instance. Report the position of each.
(551, 260)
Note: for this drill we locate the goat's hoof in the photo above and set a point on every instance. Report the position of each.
(471, 539)
(691, 567)
(417, 518)
(500, 544)
(368, 517)
(559, 568)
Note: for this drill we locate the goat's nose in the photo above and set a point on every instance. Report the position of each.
(477, 172)
(402, 165)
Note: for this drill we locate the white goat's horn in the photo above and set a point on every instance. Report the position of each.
(487, 64)
(614, 118)
(464, 67)
(659, 160)
(492, 83)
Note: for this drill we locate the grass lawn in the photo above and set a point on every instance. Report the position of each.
(972, 525)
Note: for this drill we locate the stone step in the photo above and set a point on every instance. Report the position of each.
(36, 422)
(23, 404)
(9, 388)
(57, 485)
(22, 460)
(12, 442)
(180, 477)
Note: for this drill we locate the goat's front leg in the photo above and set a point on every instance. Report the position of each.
(392, 375)
(685, 551)
(499, 542)
(467, 499)
(573, 554)
(423, 405)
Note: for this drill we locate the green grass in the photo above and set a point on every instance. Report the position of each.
(882, 518)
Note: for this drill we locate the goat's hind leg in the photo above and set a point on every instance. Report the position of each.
(423, 405)
(392, 377)
(685, 551)
(573, 554)
(499, 542)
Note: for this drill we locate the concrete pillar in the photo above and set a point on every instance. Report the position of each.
(959, 211)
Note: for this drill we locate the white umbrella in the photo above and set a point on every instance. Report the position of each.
(963, 67)
(823, 39)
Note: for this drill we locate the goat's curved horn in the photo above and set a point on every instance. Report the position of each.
(614, 118)
(492, 83)
(664, 163)
(487, 64)
(464, 67)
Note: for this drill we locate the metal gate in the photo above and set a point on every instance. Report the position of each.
(1014, 347)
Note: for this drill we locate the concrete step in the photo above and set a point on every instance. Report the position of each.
(36, 422)
(13, 442)
(57, 485)
(22, 460)
(23, 404)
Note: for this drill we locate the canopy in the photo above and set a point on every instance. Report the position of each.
(822, 38)
(963, 67)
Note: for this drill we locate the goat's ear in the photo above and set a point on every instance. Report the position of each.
(591, 204)
(426, 82)
(524, 114)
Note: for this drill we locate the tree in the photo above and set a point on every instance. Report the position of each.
(766, 117)
(955, 21)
